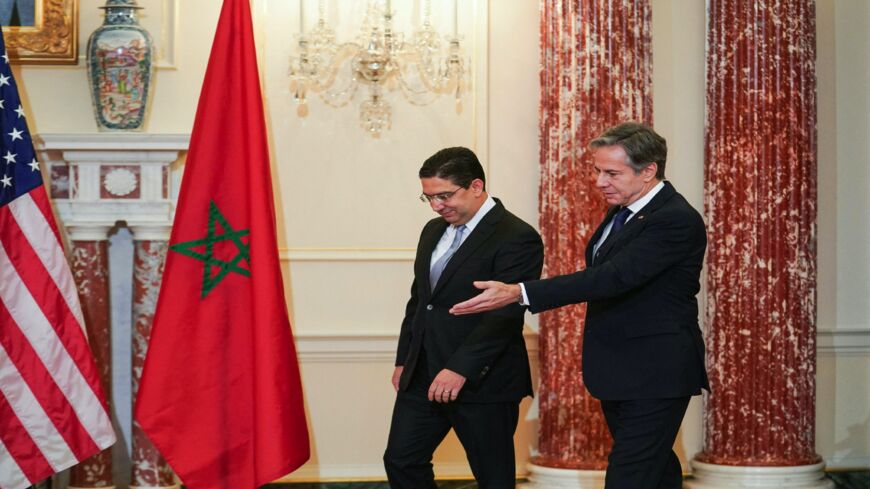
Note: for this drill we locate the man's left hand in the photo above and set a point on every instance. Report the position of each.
(494, 295)
(446, 386)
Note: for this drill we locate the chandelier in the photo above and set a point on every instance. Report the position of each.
(381, 61)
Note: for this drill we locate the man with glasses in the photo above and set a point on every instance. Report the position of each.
(468, 373)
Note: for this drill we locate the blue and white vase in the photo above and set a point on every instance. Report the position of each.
(120, 56)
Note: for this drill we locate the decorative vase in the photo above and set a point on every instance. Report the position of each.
(119, 68)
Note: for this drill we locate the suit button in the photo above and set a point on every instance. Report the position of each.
(429, 307)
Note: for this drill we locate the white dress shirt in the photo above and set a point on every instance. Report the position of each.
(634, 207)
(447, 238)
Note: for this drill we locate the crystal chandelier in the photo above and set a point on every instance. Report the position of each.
(380, 60)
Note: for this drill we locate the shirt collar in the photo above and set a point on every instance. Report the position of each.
(639, 204)
(487, 206)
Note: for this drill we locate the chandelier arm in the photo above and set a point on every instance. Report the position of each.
(324, 80)
(329, 97)
(415, 96)
(429, 77)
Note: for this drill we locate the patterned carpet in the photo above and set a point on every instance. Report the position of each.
(843, 480)
(851, 480)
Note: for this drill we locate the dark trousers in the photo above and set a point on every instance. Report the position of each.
(485, 430)
(643, 432)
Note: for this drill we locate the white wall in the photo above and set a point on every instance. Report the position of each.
(349, 218)
(843, 392)
(679, 38)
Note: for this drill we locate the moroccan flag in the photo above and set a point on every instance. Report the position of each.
(220, 394)
(52, 408)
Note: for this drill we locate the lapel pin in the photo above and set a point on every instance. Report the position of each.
(640, 217)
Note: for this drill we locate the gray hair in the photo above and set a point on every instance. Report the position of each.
(642, 145)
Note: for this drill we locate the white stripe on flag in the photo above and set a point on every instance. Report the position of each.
(44, 242)
(30, 413)
(49, 348)
(11, 475)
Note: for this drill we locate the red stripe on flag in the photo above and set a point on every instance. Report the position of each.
(46, 294)
(40, 197)
(17, 440)
(43, 387)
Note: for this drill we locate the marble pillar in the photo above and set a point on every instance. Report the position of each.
(761, 263)
(150, 470)
(90, 267)
(596, 72)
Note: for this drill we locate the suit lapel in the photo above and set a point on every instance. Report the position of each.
(482, 231)
(590, 246)
(633, 225)
(627, 231)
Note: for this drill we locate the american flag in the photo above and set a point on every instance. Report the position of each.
(52, 408)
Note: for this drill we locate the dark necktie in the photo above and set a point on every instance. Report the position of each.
(440, 263)
(618, 222)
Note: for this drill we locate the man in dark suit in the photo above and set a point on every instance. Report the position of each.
(468, 373)
(643, 355)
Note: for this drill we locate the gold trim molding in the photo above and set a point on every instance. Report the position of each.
(54, 38)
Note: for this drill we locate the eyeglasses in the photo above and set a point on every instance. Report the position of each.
(440, 198)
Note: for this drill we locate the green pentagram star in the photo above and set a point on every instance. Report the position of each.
(224, 267)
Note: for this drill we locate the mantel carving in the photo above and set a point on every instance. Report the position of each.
(100, 179)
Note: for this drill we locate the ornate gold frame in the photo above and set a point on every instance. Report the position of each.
(54, 38)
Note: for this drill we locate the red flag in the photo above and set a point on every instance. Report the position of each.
(220, 394)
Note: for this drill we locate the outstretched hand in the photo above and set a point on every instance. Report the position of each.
(494, 295)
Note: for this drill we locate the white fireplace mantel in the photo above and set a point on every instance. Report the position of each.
(98, 180)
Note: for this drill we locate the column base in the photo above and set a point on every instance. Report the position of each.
(714, 476)
(541, 477)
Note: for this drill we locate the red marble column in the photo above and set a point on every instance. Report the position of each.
(149, 467)
(596, 72)
(90, 267)
(761, 263)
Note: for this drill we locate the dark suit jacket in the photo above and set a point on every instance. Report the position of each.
(488, 349)
(641, 339)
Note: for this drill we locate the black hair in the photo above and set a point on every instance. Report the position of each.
(459, 165)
